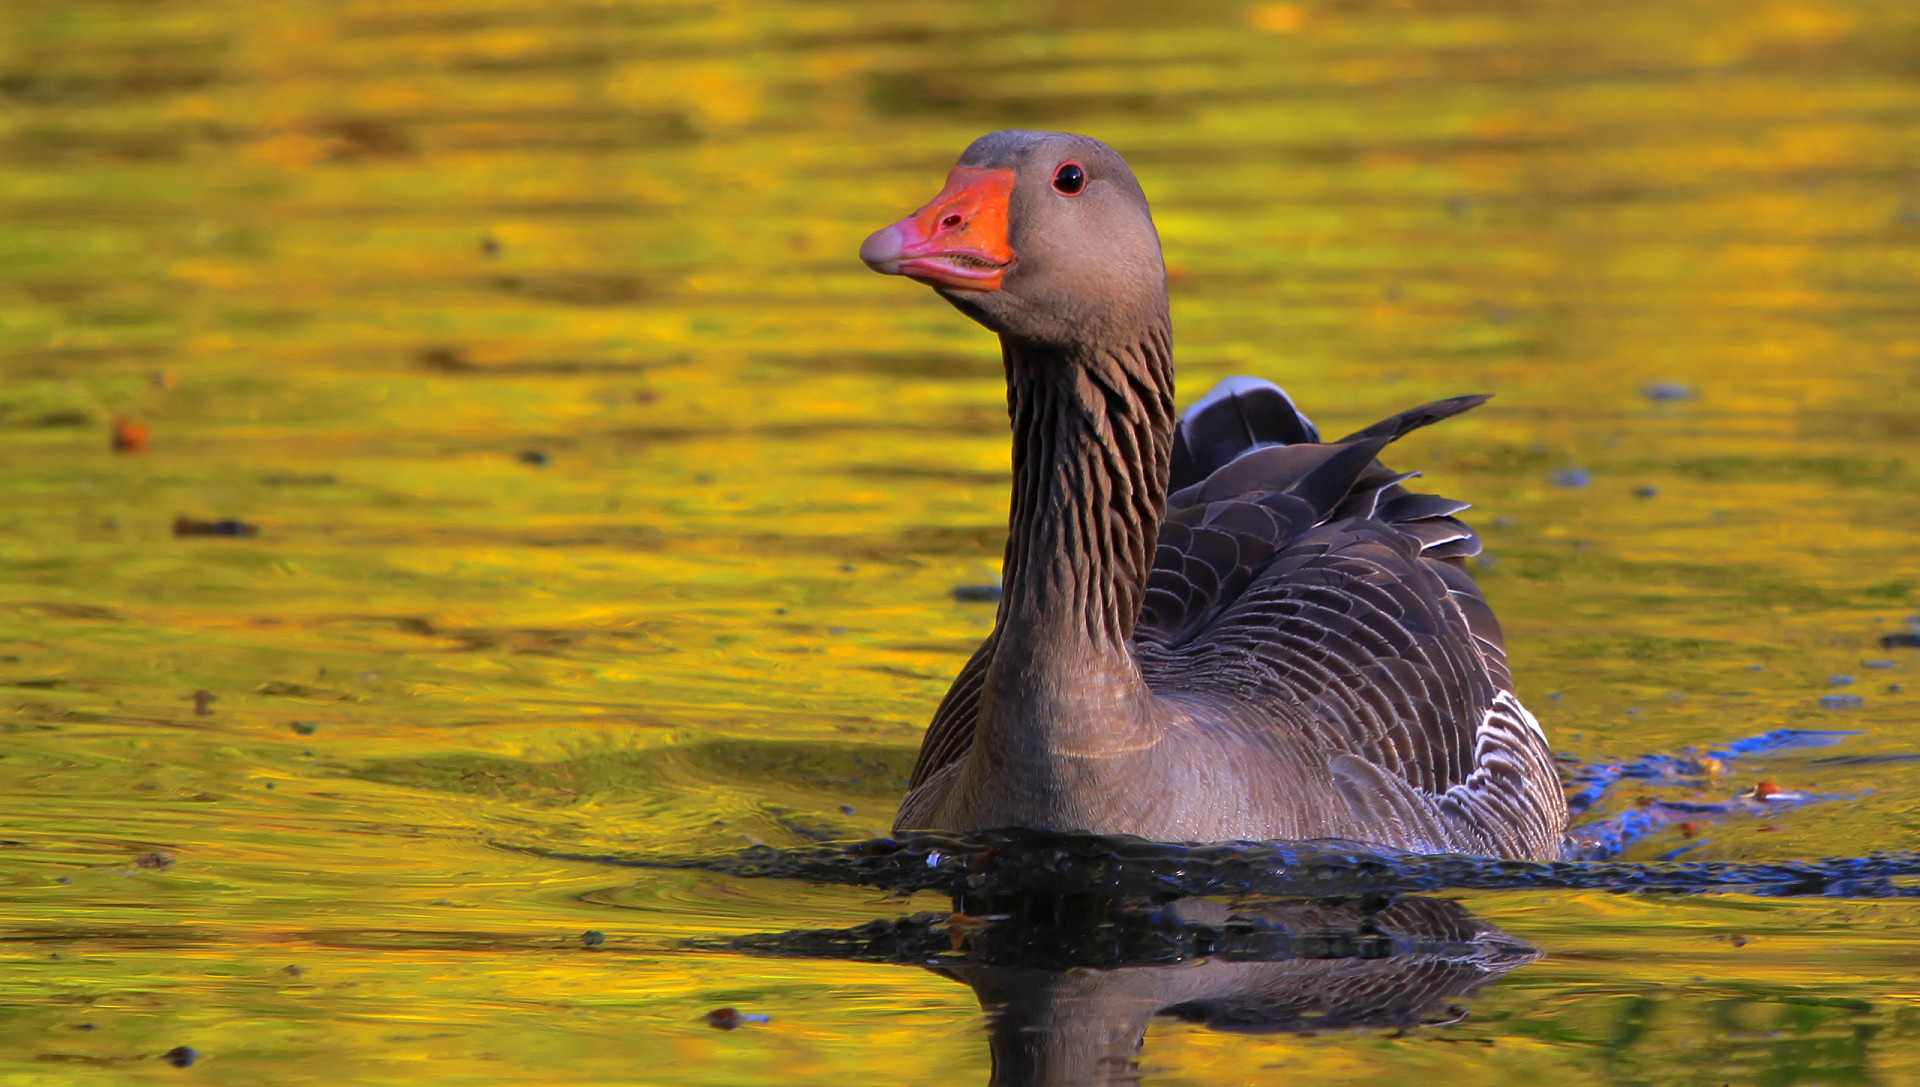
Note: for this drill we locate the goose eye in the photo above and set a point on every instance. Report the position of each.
(1069, 179)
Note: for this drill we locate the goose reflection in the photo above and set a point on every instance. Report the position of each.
(1071, 985)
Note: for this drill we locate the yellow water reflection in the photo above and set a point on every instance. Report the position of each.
(606, 502)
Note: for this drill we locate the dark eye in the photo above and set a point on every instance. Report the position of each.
(1069, 179)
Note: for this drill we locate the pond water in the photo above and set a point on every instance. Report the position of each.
(602, 504)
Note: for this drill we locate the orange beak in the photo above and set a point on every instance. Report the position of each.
(959, 240)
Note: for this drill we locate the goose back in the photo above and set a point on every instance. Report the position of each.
(1300, 587)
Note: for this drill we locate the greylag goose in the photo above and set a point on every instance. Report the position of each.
(1214, 628)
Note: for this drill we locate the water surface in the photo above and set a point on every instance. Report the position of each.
(605, 504)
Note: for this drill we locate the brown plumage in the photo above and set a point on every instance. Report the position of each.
(1213, 628)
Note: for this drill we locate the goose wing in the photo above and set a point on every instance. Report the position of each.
(950, 732)
(1303, 578)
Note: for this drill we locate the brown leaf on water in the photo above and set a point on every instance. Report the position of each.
(129, 436)
(723, 1018)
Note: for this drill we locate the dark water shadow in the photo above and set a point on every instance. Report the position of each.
(1073, 944)
(1070, 985)
(1014, 864)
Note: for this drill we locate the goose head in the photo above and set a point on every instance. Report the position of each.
(1039, 236)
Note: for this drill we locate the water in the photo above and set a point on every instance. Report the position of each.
(606, 505)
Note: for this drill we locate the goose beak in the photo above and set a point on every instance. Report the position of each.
(958, 241)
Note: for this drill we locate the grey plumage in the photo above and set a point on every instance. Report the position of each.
(1306, 584)
(1213, 627)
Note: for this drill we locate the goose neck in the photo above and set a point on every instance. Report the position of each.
(1092, 437)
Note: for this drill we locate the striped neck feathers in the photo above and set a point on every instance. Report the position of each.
(1092, 439)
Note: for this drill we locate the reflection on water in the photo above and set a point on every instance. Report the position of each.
(1069, 985)
(1073, 944)
(606, 505)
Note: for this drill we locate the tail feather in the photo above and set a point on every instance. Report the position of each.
(1322, 474)
(1333, 479)
(1247, 437)
(1395, 427)
(1243, 415)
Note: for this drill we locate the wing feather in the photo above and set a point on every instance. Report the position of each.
(1305, 580)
